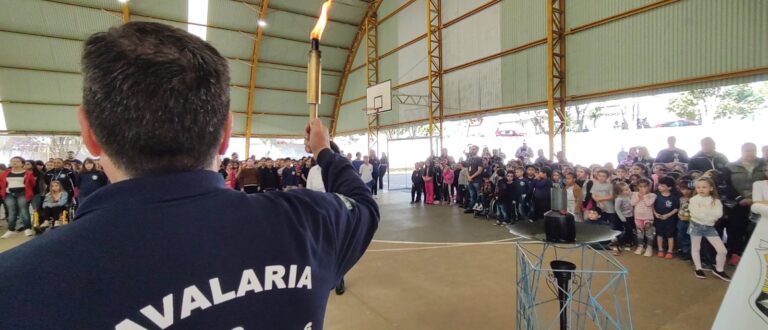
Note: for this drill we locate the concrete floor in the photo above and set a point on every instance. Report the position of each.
(433, 267)
(424, 283)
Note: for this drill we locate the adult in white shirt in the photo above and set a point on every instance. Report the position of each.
(16, 186)
(366, 172)
(760, 199)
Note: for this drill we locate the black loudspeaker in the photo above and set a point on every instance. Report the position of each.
(559, 227)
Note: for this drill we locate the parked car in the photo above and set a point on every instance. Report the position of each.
(508, 132)
(679, 123)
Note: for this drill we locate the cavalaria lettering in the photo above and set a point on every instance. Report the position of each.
(194, 300)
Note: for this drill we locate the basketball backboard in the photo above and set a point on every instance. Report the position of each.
(379, 97)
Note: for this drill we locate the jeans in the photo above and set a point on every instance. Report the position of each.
(474, 191)
(18, 209)
(502, 213)
(683, 238)
(371, 185)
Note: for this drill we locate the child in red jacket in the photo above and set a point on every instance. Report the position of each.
(17, 189)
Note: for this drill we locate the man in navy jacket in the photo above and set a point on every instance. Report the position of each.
(167, 245)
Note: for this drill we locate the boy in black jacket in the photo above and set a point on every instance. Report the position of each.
(521, 194)
(417, 184)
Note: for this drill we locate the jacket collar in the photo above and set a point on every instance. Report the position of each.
(153, 188)
(758, 163)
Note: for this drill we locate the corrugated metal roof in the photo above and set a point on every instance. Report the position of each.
(42, 41)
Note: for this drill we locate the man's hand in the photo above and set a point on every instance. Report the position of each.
(316, 137)
(745, 202)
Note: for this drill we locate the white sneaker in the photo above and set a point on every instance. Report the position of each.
(57, 223)
(639, 250)
(8, 234)
(45, 223)
(28, 232)
(649, 251)
(480, 208)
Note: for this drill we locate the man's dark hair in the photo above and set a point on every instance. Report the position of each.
(156, 97)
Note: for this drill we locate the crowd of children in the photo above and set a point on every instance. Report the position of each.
(36, 194)
(665, 208)
(266, 174)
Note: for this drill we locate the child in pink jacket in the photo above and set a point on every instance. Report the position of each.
(642, 201)
(447, 183)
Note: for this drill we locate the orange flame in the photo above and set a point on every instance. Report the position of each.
(317, 32)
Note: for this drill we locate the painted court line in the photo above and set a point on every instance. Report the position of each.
(503, 242)
(440, 243)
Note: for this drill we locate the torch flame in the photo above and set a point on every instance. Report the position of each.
(317, 32)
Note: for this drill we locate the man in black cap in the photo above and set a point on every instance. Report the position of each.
(167, 245)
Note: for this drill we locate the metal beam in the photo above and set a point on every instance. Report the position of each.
(672, 83)
(394, 88)
(556, 112)
(372, 62)
(397, 10)
(279, 89)
(190, 23)
(417, 100)
(372, 8)
(435, 74)
(457, 116)
(325, 70)
(470, 13)
(620, 16)
(276, 114)
(277, 8)
(445, 25)
(252, 82)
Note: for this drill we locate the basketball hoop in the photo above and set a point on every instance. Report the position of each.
(378, 98)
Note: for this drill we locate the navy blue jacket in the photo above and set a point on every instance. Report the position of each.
(90, 182)
(183, 251)
(542, 189)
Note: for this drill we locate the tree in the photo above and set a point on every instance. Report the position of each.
(710, 104)
(583, 113)
(596, 113)
(576, 124)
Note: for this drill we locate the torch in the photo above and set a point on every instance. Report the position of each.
(314, 66)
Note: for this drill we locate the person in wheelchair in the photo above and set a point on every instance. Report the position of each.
(55, 203)
(486, 195)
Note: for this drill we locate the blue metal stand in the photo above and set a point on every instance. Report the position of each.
(589, 288)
